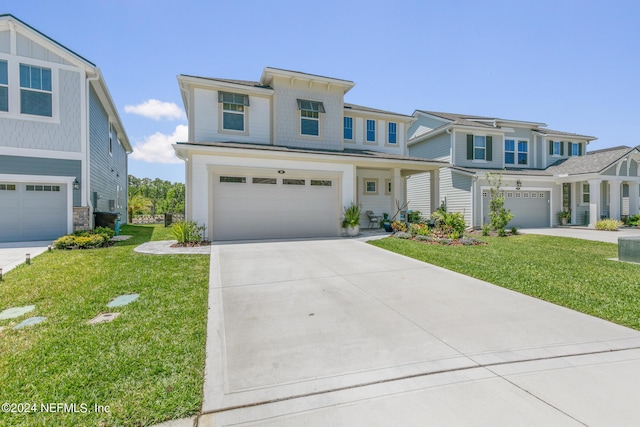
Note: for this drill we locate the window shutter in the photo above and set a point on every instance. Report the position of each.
(489, 152)
(562, 148)
(550, 148)
(570, 153)
(469, 147)
(579, 149)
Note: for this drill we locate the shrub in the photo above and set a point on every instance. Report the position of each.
(633, 220)
(414, 217)
(426, 238)
(351, 215)
(486, 228)
(64, 242)
(498, 215)
(448, 223)
(89, 242)
(608, 224)
(419, 229)
(187, 232)
(514, 230)
(105, 232)
(398, 226)
(402, 235)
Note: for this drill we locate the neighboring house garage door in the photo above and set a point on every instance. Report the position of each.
(529, 208)
(32, 211)
(263, 207)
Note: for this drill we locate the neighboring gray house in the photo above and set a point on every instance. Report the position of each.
(63, 149)
(543, 171)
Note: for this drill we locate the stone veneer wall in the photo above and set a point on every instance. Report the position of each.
(81, 219)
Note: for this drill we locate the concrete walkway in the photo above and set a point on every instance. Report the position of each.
(341, 333)
(584, 233)
(13, 254)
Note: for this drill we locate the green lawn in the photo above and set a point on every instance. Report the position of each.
(147, 365)
(570, 272)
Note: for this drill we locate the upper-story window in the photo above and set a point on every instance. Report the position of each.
(233, 110)
(392, 134)
(35, 91)
(4, 86)
(479, 147)
(310, 116)
(371, 131)
(516, 151)
(575, 149)
(556, 148)
(348, 128)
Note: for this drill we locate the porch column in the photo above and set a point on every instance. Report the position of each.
(574, 206)
(397, 193)
(614, 199)
(634, 197)
(594, 201)
(434, 189)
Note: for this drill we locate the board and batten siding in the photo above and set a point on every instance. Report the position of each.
(436, 148)
(206, 119)
(42, 135)
(455, 190)
(419, 193)
(30, 49)
(108, 172)
(5, 42)
(21, 165)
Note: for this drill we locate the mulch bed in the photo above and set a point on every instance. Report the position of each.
(191, 244)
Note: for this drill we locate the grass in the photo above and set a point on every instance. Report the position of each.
(147, 365)
(570, 272)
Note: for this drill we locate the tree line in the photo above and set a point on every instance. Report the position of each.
(152, 197)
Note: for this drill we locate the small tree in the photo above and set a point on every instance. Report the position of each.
(138, 204)
(498, 215)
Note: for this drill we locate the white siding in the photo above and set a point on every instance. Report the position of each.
(382, 136)
(378, 203)
(5, 41)
(424, 124)
(30, 49)
(436, 148)
(455, 189)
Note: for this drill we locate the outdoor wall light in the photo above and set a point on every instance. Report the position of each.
(518, 184)
(76, 184)
(280, 171)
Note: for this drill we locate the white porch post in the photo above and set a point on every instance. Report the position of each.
(614, 199)
(594, 201)
(574, 204)
(634, 197)
(434, 189)
(397, 193)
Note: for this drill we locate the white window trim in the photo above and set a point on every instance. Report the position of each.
(13, 69)
(353, 130)
(553, 142)
(516, 152)
(111, 131)
(375, 132)
(366, 181)
(392, 144)
(484, 159)
(245, 114)
(582, 193)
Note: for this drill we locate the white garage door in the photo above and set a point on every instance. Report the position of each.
(529, 208)
(32, 211)
(263, 207)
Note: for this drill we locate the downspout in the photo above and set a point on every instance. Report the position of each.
(87, 179)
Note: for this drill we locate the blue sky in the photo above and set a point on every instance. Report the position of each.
(574, 65)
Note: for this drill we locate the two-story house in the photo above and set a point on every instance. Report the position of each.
(281, 157)
(63, 149)
(543, 171)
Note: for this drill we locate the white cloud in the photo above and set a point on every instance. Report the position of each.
(156, 110)
(157, 148)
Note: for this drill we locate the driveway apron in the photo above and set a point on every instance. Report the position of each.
(339, 332)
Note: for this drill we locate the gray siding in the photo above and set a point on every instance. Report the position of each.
(633, 169)
(30, 49)
(65, 136)
(460, 146)
(41, 166)
(455, 188)
(437, 148)
(5, 40)
(104, 167)
(422, 125)
(419, 193)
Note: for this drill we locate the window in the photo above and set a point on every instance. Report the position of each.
(348, 128)
(516, 150)
(263, 180)
(523, 152)
(8, 187)
(234, 179)
(4, 86)
(310, 117)
(233, 110)
(556, 148)
(43, 188)
(575, 149)
(509, 151)
(392, 139)
(479, 147)
(321, 183)
(585, 193)
(293, 181)
(370, 186)
(371, 131)
(35, 90)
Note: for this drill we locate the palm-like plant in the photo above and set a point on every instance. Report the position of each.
(138, 204)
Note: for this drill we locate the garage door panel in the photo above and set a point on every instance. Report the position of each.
(529, 208)
(259, 211)
(32, 215)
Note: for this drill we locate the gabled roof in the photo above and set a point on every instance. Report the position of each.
(248, 83)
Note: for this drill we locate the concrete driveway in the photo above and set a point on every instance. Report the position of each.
(13, 254)
(341, 333)
(584, 233)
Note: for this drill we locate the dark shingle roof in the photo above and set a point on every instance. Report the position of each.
(233, 81)
(546, 131)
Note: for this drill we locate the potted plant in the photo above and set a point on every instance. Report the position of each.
(351, 221)
(564, 217)
(386, 223)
